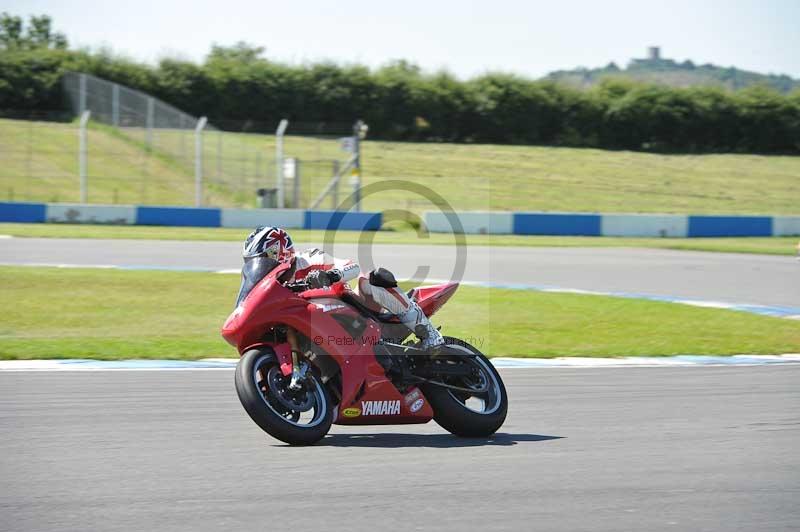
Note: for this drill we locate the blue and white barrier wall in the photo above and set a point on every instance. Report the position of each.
(187, 216)
(630, 225)
(474, 222)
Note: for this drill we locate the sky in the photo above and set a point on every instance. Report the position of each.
(466, 37)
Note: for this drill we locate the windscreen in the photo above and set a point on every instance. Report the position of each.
(253, 270)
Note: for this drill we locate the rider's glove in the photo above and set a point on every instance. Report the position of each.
(318, 279)
(335, 275)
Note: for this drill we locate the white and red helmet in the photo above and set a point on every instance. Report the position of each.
(272, 242)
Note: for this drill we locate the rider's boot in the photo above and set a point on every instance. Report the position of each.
(418, 322)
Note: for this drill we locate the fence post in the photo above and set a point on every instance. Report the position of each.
(83, 154)
(115, 105)
(183, 131)
(359, 133)
(150, 119)
(219, 155)
(335, 190)
(279, 181)
(82, 93)
(296, 184)
(198, 161)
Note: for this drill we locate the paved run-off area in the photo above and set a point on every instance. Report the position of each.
(708, 448)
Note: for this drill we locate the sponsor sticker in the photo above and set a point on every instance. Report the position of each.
(351, 412)
(417, 405)
(380, 408)
(412, 396)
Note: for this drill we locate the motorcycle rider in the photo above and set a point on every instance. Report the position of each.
(377, 290)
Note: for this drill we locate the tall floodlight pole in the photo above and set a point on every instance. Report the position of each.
(83, 154)
(198, 161)
(279, 181)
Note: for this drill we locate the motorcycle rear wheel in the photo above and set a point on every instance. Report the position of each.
(454, 411)
(275, 415)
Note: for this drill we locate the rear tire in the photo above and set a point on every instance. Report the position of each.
(264, 410)
(453, 414)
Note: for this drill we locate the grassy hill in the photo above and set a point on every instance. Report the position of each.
(675, 74)
(122, 170)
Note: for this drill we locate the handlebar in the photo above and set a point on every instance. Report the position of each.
(299, 286)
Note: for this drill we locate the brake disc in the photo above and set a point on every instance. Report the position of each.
(293, 400)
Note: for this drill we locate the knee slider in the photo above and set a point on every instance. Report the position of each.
(383, 278)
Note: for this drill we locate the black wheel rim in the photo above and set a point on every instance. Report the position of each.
(482, 378)
(305, 408)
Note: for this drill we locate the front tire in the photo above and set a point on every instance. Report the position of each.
(453, 410)
(296, 418)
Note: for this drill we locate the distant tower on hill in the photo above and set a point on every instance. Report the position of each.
(653, 53)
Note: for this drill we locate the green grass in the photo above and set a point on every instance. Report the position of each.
(469, 177)
(107, 314)
(491, 177)
(772, 245)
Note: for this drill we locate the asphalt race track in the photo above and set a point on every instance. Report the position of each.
(727, 277)
(712, 449)
(607, 449)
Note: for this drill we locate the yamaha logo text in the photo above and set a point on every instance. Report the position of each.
(380, 408)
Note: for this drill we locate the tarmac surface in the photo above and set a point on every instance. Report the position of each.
(725, 277)
(710, 448)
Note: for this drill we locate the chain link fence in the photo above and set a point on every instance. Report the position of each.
(319, 156)
(38, 156)
(139, 150)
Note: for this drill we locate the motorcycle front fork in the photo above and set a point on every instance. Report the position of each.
(298, 370)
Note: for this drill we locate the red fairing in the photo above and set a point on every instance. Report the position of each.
(432, 298)
(335, 290)
(367, 395)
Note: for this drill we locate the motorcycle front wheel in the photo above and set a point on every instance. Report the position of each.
(464, 412)
(296, 417)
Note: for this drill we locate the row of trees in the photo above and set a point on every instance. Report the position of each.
(399, 102)
(38, 34)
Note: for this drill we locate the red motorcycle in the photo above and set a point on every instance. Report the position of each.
(352, 365)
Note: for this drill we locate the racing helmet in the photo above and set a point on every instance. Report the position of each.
(271, 242)
(263, 250)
